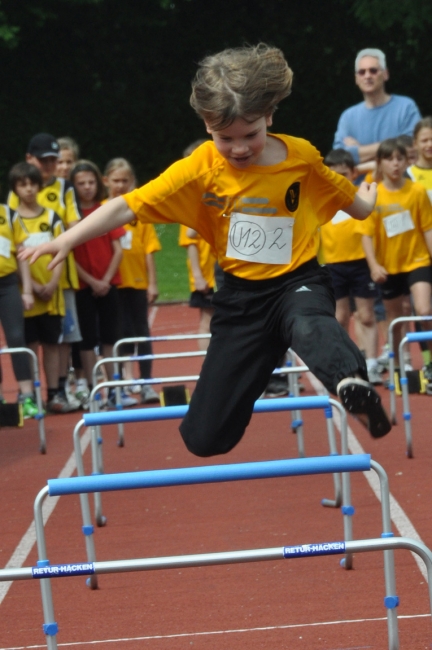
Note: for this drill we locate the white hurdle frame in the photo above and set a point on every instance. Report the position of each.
(391, 358)
(220, 473)
(37, 387)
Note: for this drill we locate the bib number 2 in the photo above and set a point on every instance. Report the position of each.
(266, 240)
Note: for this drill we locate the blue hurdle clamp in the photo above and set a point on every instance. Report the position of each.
(174, 412)
(210, 474)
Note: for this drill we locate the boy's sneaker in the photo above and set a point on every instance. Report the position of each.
(383, 360)
(149, 395)
(59, 404)
(427, 372)
(125, 400)
(374, 376)
(277, 386)
(29, 408)
(360, 398)
(83, 397)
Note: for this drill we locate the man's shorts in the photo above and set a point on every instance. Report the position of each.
(399, 284)
(201, 300)
(352, 279)
(44, 328)
(70, 325)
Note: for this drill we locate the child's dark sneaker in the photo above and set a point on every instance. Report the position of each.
(360, 398)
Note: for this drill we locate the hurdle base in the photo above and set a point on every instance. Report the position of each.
(174, 395)
(11, 415)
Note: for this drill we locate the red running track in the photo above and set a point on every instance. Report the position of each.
(308, 603)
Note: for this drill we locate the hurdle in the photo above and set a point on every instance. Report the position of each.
(391, 358)
(37, 387)
(217, 474)
(342, 489)
(411, 337)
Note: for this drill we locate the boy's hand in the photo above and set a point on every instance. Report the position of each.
(379, 274)
(368, 193)
(58, 251)
(152, 293)
(47, 291)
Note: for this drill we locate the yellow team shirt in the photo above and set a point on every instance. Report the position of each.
(140, 240)
(263, 221)
(33, 231)
(423, 176)
(340, 240)
(60, 197)
(206, 259)
(397, 225)
(8, 242)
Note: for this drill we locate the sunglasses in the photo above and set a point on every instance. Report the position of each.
(363, 71)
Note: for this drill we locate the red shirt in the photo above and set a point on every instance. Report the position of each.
(95, 255)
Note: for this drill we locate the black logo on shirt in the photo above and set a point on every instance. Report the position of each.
(44, 227)
(2, 221)
(51, 196)
(133, 223)
(292, 196)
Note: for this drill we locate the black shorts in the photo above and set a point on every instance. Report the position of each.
(399, 284)
(201, 300)
(352, 279)
(44, 328)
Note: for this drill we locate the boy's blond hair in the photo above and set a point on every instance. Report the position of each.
(246, 82)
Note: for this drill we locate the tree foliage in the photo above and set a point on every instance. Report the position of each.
(115, 74)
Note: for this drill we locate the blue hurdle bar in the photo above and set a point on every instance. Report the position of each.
(293, 404)
(411, 337)
(175, 412)
(210, 474)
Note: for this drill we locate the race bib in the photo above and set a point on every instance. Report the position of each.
(398, 223)
(339, 217)
(5, 247)
(266, 240)
(37, 238)
(126, 240)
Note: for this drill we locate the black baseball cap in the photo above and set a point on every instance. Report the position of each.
(43, 145)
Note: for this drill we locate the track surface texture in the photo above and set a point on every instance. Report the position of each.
(308, 603)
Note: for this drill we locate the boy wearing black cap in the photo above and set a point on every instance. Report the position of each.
(58, 194)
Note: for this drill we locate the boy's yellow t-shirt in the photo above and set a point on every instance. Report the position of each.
(341, 240)
(406, 251)
(60, 197)
(205, 256)
(8, 242)
(262, 221)
(140, 240)
(32, 231)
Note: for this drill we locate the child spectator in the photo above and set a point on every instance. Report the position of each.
(421, 170)
(138, 287)
(345, 259)
(33, 224)
(12, 304)
(58, 194)
(97, 262)
(397, 239)
(201, 262)
(258, 199)
(68, 156)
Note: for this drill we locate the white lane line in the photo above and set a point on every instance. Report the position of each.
(398, 515)
(219, 632)
(24, 547)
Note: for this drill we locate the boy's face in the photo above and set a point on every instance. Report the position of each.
(64, 164)
(242, 143)
(344, 170)
(46, 166)
(393, 167)
(26, 190)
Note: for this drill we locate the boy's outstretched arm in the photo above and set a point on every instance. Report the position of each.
(111, 215)
(364, 201)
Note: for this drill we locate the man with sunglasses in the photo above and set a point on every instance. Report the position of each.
(362, 127)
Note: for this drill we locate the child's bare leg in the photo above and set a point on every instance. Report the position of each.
(394, 309)
(204, 327)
